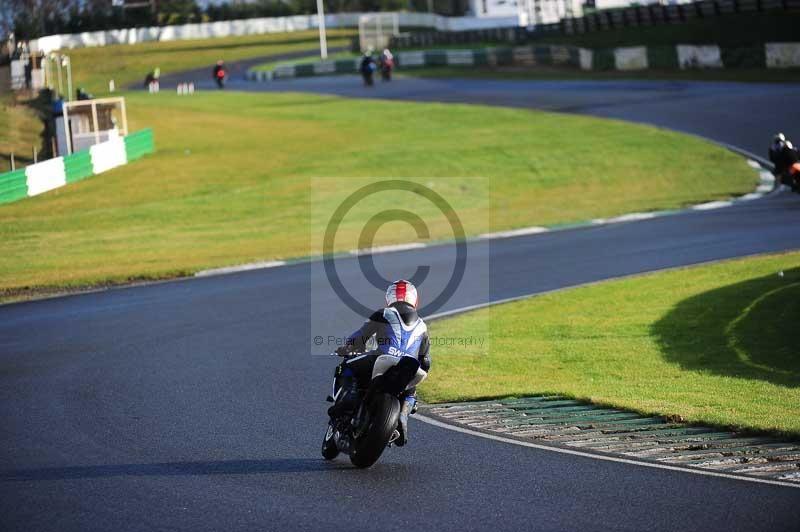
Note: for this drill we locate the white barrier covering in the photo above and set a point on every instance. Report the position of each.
(630, 58)
(782, 54)
(257, 26)
(108, 155)
(46, 176)
(460, 57)
(411, 58)
(699, 56)
(560, 55)
(586, 56)
(325, 67)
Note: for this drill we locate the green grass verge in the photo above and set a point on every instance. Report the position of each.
(711, 344)
(231, 181)
(541, 72)
(92, 68)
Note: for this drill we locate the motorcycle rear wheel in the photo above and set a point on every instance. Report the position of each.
(384, 413)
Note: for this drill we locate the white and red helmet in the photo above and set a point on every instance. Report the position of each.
(403, 291)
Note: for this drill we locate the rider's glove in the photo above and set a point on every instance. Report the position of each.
(343, 350)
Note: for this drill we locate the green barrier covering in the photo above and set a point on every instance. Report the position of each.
(603, 59)
(543, 55)
(435, 58)
(575, 57)
(78, 166)
(344, 67)
(480, 57)
(13, 186)
(662, 57)
(749, 57)
(139, 144)
(303, 70)
(504, 56)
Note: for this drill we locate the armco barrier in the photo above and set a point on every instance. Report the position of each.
(770, 55)
(59, 171)
(546, 55)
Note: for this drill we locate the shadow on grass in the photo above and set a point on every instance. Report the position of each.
(222, 467)
(746, 330)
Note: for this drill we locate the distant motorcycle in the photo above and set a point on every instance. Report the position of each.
(367, 70)
(387, 65)
(372, 425)
(786, 160)
(220, 74)
(220, 78)
(791, 177)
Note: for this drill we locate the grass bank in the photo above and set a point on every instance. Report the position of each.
(20, 130)
(231, 181)
(711, 344)
(92, 68)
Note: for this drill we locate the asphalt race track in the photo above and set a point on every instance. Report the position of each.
(198, 404)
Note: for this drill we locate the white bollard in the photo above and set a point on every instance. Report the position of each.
(111, 86)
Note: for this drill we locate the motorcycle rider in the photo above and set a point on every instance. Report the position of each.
(386, 64)
(398, 331)
(219, 73)
(783, 155)
(367, 68)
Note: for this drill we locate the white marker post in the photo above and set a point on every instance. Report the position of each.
(323, 41)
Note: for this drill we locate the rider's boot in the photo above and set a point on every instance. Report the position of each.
(348, 397)
(408, 407)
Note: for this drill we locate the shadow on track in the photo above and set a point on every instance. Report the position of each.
(746, 330)
(165, 469)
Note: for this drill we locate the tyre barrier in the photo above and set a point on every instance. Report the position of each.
(681, 56)
(59, 171)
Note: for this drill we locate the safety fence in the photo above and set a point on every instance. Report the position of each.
(59, 171)
(682, 56)
(628, 17)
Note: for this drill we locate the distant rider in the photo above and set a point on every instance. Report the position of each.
(367, 68)
(386, 63)
(783, 155)
(219, 73)
(399, 331)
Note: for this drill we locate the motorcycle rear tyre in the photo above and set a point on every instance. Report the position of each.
(384, 414)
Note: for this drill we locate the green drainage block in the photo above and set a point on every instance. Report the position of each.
(569, 423)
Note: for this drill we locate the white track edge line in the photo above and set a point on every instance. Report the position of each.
(605, 457)
(240, 268)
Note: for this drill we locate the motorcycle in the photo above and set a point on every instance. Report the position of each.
(386, 69)
(220, 78)
(372, 425)
(791, 177)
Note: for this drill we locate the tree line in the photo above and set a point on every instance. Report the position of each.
(29, 19)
